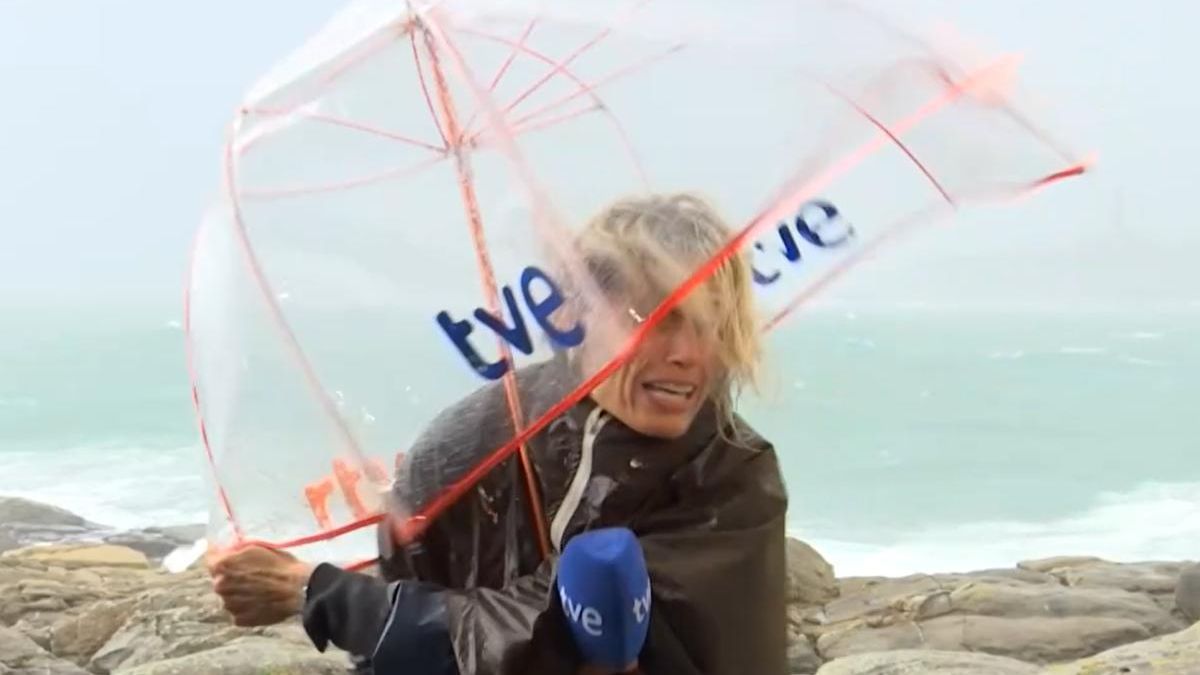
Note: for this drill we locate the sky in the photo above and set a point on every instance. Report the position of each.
(112, 123)
(113, 115)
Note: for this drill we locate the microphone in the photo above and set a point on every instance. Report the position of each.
(605, 592)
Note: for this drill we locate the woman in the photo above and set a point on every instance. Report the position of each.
(656, 448)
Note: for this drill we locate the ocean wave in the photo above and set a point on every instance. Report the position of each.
(1007, 355)
(122, 485)
(865, 343)
(1140, 335)
(1155, 521)
(1138, 361)
(1082, 350)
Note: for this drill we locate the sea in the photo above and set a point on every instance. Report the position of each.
(911, 440)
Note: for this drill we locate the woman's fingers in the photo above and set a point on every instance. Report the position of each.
(258, 585)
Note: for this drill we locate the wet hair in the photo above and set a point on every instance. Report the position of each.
(639, 249)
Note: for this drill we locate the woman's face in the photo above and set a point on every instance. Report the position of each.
(661, 388)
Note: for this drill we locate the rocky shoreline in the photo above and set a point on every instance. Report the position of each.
(78, 598)
(26, 523)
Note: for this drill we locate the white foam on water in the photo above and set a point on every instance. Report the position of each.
(1141, 335)
(1003, 355)
(1155, 521)
(1082, 350)
(1138, 361)
(865, 343)
(117, 485)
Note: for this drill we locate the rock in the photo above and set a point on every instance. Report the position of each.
(78, 637)
(862, 597)
(1009, 575)
(41, 593)
(74, 556)
(21, 656)
(859, 638)
(1174, 654)
(8, 542)
(185, 534)
(157, 542)
(1187, 592)
(102, 607)
(802, 658)
(926, 606)
(178, 619)
(881, 601)
(922, 662)
(34, 596)
(1006, 600)
(1036, 640)
(37, 627)
(810, 576)
(166, 623)
(25, 523)
(14, 510)
(291, 631)
(29, 535)
(154, 543)
(1149, 577)
(1058, 563)
(251, 656)
(1080, 607)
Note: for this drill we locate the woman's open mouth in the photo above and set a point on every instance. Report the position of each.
(670, 394)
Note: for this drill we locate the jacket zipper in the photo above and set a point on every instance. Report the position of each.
(570, 503)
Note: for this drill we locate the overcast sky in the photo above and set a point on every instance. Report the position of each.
(113, 114)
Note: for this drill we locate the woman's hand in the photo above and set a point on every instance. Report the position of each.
(260, 586)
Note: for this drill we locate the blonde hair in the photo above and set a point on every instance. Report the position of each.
(640, 249)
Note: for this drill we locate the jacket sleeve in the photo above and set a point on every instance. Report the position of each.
(413, 626)
(397, 627)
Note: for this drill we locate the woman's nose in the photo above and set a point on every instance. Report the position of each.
(683, 346)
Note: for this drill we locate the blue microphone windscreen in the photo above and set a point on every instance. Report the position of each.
(605, 594)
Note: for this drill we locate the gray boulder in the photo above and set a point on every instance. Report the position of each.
(18, 511)
(1187, 592)
(926, 662)
(810, 577)
(21, 656)
(1174, 654)
(250, 656)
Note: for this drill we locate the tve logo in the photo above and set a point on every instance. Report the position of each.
(641, 606)
(818, 224)
(541, 305)
(587, 618)
(590, 619)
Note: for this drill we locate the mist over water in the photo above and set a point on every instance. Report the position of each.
(910, 441)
